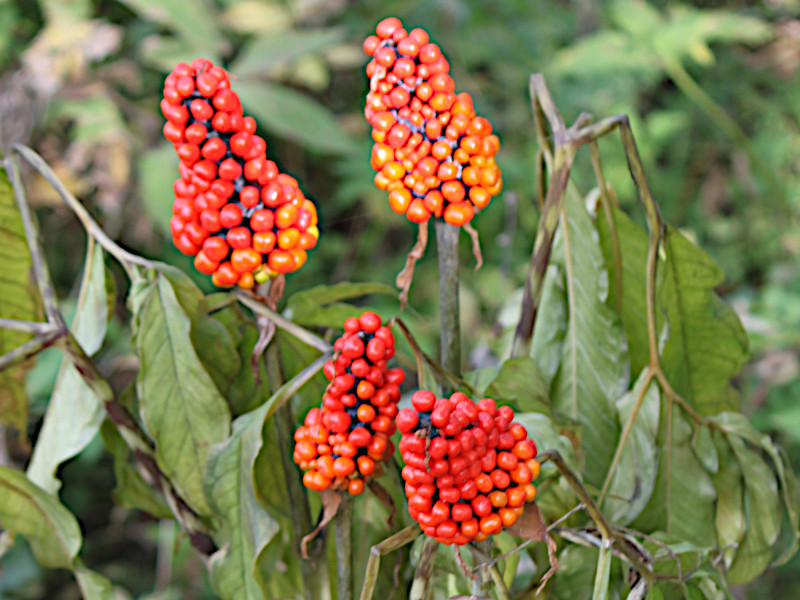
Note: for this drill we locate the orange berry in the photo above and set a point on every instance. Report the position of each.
(288, 238)
(453, 191)
(471, 175)
(263, 242)
(355, 487)
(507, 516)
(417, 213)
(281, 261)
(245, 260)
(458, 213)
(479, 197)
(491, 524)
(399, 200)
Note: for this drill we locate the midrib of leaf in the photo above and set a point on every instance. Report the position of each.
(573, 334)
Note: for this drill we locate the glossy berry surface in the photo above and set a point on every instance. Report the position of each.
(433, 154)
(346, 441)
(468, 467)
(240, 218)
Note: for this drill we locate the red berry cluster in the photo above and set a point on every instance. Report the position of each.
(431, 152)
(344, 442)
(240, 218)
(468, 467)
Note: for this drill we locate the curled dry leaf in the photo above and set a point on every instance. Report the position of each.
(406, 276)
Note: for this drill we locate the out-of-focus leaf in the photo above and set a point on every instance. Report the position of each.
(247, 527)
(521, 383)
(604, 52)
(20, 301)
(93, 585)
(295, 116)
(266, 53)
(636, 17)
(74, 413)
(594, 366)
(181, 408)
(731, 520)
(634, 478)
(257, 16)
(131, 490)
(191, 19)
(633, 308)
(707, 344)
(27, 510)
(156, 175)
(684, 498)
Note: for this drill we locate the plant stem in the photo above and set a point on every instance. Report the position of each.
(450, 335)
(298, 501)
(344, 549)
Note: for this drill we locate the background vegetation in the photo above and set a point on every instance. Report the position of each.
(714, 99)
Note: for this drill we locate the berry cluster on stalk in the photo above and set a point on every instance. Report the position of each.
(240, 218)
(468, 467)
(344, 443)
(432, 153)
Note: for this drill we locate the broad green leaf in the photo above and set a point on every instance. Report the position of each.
(636, 17)
(27, 510)
(265, 54)
(300, 304)
(633, 246)
(20, 301)
(634, 477)
(684, 498)
(705, 450)
(731, 521)
(93, 585)
(295, 116)
(246, 526)
(191, 19)
(181, 408)
(131, 490)
(268, 474)
(547, 344)
(215, 349)
(604, 53)
(707, 344)
(521, 383)
(576, 573)
(594, 366)
(74, 413)
(762, 490)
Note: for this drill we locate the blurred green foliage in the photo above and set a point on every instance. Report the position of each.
(711, 87)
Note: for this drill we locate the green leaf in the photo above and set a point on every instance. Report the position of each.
(181, 408)
(93, 585)
(633, 245)
(634, 478)
(74, 413)
(216, 350)
(155, 183)
(636, 17)
(27, 510)
(20, 301)
(707, 344)
(246, 526)
(131, 490)
(192, 20)
(266, 53)
(521, 383)
(684, 498)
(295, 116)
(547, 345)
(594, 367)
(731, 521)
(302, 305)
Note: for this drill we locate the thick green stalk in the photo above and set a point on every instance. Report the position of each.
(344, 549)
(313, 579)
(450, 335)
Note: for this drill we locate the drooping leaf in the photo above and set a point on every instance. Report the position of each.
(246, 526)
(521, 383)
(20, 301)
(192, 20)
(74, 413)
(93, 585)
(731, 520)
(180, 406)
(707, 344)
(594, 367)
(131, 490)
(266, 53)
(633, 245)
(26, 509)
(684, 498)
(762, 505)
(295, 116)
(634, 477)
